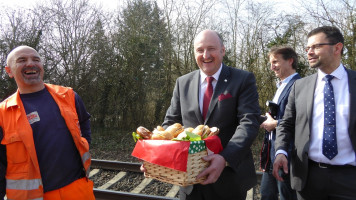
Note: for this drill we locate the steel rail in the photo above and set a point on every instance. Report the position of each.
(115, 165)
(101, 194)
(132, 167)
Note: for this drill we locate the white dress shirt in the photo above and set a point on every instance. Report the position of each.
(204, 85)
(346, 154)
(280, 87)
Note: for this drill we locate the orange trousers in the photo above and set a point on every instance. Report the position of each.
(81, 189)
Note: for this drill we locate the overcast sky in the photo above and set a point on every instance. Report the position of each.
(107, 4)
(113, 4)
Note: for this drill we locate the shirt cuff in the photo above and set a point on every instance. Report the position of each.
(281, 152)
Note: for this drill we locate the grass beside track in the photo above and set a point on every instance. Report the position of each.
(112, 144)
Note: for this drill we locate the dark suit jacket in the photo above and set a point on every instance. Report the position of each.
(268, 146)
(297, 124)
(283, 98)
(236, 114)
(282, 103)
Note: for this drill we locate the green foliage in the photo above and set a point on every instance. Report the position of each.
(136, 136)
(111, 143)
(142, 40)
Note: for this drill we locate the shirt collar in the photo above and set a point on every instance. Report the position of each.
(216, 75)
(338, 73)
(286, 80)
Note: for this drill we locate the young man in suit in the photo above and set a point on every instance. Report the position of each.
(321, 117)
(283, 62)
(233, 108)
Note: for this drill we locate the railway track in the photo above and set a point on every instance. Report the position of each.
(118, 171)
(125, 181)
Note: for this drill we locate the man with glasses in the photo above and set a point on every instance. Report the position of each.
(321, 117)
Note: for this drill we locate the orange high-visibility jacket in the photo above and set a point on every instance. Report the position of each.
(23, 178)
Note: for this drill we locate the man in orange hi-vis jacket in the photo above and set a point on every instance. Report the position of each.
(45, 136)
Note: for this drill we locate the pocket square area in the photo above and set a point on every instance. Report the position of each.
(224, 96)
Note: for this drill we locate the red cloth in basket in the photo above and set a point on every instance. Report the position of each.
(171, 154)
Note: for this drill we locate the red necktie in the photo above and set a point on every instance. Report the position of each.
(207, 95)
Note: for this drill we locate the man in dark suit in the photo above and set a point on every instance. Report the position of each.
(320, 116)
(233, 108)
(283, 62)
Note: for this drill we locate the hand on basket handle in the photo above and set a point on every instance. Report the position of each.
(213, 172)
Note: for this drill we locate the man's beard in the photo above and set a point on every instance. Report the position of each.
(316, 65)
(32, 79)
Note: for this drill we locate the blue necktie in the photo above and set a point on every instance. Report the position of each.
(329, 137)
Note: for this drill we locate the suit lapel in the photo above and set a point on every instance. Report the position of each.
(309, 93)
(284, 92)
(352, 89)
(220, 87)
(196, 90)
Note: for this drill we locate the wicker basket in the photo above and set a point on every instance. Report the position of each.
(195, 165)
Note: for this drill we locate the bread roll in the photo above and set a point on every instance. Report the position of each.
(161, 135)
(144, 132)
(189, 129)
(198, 130)
(214, 131)
(175, 129)
(206, 132)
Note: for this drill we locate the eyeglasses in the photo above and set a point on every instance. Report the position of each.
(317, 46)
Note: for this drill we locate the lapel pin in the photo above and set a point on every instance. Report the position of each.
(225, 80)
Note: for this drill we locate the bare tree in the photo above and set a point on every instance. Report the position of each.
(70, 25)
(124, 63)
(339, 13)
(187, 18)
(18, 27)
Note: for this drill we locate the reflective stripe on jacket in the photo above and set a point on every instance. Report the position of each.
(23, 178)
